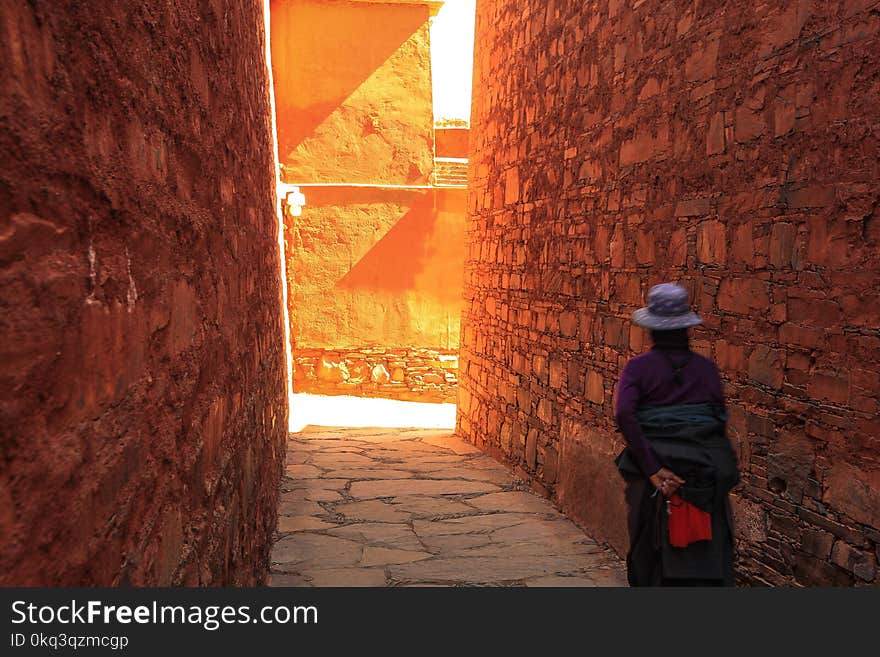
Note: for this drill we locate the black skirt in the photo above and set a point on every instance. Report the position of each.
(652, 561)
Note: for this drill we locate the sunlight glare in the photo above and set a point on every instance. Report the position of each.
(452, 59)
(345, 411)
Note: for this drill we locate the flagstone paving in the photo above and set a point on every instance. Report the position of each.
(420, 507)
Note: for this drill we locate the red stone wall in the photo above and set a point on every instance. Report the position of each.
(143, 410)
(730, 146)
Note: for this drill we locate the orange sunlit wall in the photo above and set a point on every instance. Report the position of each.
(376, 258)
(353, 91)
(452, 142)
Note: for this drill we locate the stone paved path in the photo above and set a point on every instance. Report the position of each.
(419, 507)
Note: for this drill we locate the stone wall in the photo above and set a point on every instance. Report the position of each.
(729, 146)
(407, 374)
(143, 405)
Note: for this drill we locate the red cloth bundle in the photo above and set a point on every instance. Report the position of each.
(687, 523)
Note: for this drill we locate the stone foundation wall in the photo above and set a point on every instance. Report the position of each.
(408, 374)
(143, 406)
(732, 146)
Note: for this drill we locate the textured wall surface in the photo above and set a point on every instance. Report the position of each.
(143, 410)
(730, 146)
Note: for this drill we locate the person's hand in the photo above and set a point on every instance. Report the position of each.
(666, 481)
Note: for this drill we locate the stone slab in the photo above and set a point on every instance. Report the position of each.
(395, 487)
(380, 556)
(452, 443)
(347, 577)
(288, 524)
(316, 550)
(519, 501)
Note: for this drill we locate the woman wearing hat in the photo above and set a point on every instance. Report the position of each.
(678, 463)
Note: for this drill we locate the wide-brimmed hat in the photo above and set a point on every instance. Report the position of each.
(667, 309)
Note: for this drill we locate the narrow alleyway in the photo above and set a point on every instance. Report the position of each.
(397, 507)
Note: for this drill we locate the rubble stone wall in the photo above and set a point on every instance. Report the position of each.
(407, 374)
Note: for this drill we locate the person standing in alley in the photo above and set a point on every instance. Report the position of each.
(678, 463)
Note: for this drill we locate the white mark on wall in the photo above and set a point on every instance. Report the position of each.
(93, 275)
(132, 294)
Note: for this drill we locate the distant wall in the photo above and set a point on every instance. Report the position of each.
(143, 407)
(376, 258)
(730, 146)
(451, 142)
(375, 268)
(379, 266)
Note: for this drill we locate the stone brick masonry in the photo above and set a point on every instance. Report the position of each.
(142, 388)
(406, 374)
(732, 146)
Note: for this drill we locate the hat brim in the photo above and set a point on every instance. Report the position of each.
(646, 319)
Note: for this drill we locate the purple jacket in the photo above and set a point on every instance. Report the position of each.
(647, 380)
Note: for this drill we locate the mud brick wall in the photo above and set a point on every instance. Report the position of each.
(142, 398)
(408, 374)
(732, 146)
